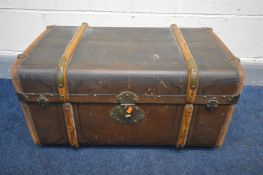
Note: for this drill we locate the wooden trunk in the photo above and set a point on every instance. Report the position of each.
(128, 86)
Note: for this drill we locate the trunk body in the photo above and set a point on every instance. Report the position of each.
(145, 62)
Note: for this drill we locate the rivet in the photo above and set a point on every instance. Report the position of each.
(50, 27)
(20, 56)
(26, 97)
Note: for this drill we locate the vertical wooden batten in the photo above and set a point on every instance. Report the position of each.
(62, 85)
(192, 85)
(70, 124)
(64, 61)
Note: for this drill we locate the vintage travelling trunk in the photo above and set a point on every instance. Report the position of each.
(128, 86)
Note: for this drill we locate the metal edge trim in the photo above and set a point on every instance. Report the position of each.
(111, 98)
(192, 83)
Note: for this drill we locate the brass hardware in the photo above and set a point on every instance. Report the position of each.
(127, 111)
(127, 97)
(20, 56)
(111, 98)
(50, 27)
(212, 104)
(42, 101)
(193, 79)
(22, 97)
(65, 60)
(192, 82)
(192, 85)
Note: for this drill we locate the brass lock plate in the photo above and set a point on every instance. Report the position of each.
(127, 111)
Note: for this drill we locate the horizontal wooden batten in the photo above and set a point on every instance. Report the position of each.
(111, 98)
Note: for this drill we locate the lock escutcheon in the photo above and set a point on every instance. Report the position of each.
(127, 111)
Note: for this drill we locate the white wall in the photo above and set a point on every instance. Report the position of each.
(238, 22)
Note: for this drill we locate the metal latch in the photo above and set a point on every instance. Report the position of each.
(42, 101)
(127, 111)
(212, 104)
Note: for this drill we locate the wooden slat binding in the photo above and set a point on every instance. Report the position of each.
(62, 78)
(65, 60)
(70, 124)
(192, 85)
(240, 73)
(184, 126)
(17, 84)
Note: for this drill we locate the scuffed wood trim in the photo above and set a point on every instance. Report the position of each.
(62, 85)
(224, 129)
(192, 82)
(17, 84)
(234, 60)
(192, 85)
(240, 74)
(184, 126)
(22, 57)
(70, 124)
(65, 60)
(30, 123)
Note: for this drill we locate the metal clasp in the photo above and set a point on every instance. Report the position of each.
(212, 104)
(127, 111)
(42, 101)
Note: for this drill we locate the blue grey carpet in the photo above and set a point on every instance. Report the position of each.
(242, 152)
